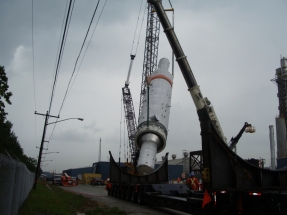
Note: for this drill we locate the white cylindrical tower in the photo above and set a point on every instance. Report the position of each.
(272, 146)
(281, 137)
(153, 122)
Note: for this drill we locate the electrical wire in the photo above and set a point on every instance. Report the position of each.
(88, 45)
(33, 62)
(60, 54)
(78, 69)
(79, 56)
(33, 55)
(59, 44)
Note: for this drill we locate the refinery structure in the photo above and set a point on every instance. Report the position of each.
(281, 125)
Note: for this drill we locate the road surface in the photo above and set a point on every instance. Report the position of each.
(99, 194)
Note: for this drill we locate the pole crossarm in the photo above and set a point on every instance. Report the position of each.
(46, 114)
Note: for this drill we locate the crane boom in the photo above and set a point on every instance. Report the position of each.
(129, 111)
(198, 99)
(151, 51)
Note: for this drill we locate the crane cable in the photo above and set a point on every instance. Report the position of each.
(136, 29)
(141, 28)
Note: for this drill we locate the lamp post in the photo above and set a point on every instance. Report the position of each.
(43, 140)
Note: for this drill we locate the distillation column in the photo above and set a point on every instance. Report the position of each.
(272, 146)
(153, 121)
(281, 81)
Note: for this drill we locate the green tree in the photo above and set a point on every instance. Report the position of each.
(9, 144)
(4, 94)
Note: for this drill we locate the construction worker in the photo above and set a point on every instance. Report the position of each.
(192, 182)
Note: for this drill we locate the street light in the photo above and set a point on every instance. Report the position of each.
(81, 119)
(49, 153)
(47, 115)
(46, 160)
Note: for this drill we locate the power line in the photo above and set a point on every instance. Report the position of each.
(59, 44)
(67, 92)
(88, 45)
(33, 60)
(65, 32)
(60, 55)
(79, 55)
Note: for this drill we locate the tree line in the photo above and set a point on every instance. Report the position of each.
(9, 144)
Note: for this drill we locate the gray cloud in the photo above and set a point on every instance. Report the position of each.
(233, 49)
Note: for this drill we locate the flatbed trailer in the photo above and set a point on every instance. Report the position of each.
(231, 185)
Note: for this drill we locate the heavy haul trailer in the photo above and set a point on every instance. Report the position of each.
(231, 185)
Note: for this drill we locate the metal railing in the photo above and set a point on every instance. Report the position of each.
(16, 182)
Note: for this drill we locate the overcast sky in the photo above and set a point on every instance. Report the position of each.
(233, 48)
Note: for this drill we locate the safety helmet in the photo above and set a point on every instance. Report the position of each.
(191, 174)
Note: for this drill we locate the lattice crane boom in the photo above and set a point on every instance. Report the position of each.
(129, 111)
(151, 51)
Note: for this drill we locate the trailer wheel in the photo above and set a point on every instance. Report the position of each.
(134, 197)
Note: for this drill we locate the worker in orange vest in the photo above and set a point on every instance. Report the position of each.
(192, 182)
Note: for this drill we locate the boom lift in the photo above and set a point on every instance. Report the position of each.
(248, 128)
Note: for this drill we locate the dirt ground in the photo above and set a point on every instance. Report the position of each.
(98, 193)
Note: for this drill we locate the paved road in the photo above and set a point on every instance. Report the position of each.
(99, 194)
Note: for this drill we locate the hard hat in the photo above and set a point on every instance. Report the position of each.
(191, 174)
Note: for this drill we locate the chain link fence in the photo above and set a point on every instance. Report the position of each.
(16, 182)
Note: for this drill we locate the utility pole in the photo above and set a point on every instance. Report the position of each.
(42, 144)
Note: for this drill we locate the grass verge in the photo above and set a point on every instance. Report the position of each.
(52, 200)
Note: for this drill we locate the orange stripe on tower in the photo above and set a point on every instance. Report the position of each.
(149, 79)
